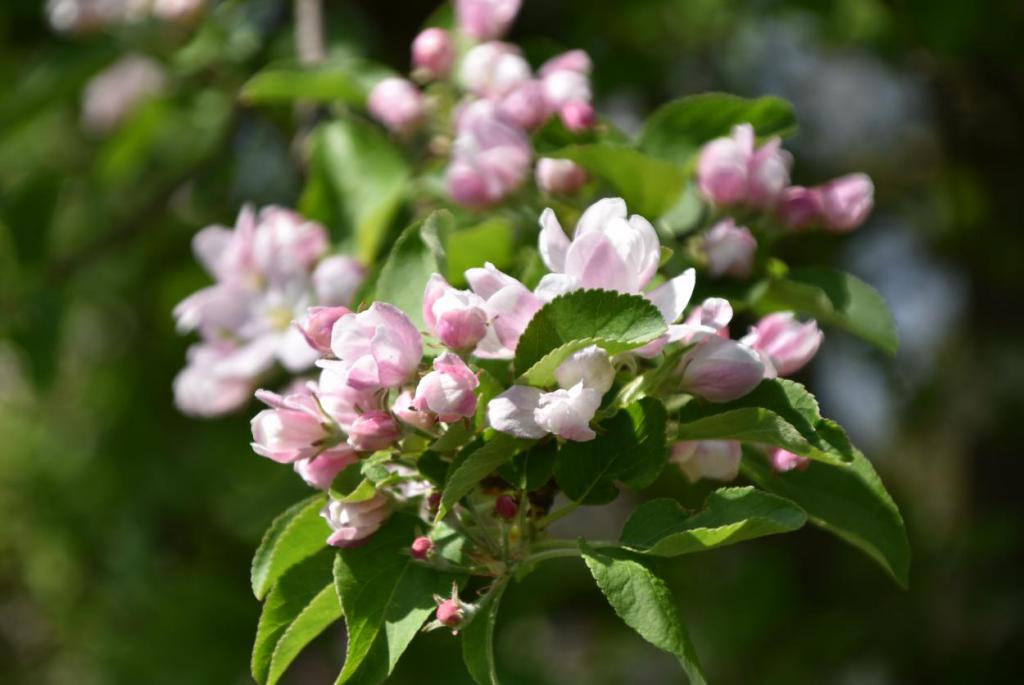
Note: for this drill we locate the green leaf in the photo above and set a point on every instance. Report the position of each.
(415, 256)
(630, 448)
(479, 463)
(478, 637)
(678, 129)
(385, 597)
(662, 528)
(289, 84)
(570, 322)
(296, 534)
(644, 602)
(847, 500)
(531, 469)
(836, 298)
(650, 186)
(367, 175)
(301, 605)
(750, 425)
(490, 241)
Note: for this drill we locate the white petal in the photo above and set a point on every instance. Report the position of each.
(553, 242)
(671, 298)
(512, 412)
(553, 285)
(600, 213)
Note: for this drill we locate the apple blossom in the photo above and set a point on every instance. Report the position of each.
(847, 201)
(713, 459)
(785, 344)
(398, 104)
(293, 428)
(404, 410)
(589, 366)
(373, 431)
(720, 370)
(783, 460)
(732, 170)
(559, 176)
(377, 348)
(486, 19)
(448, 390)
(567, 413)
(353, 522)
(118, 91)
(800, 207)
(337, 278)
(457, 317)
(729, 249)
(433, 53)
(319, 471)
(577, 115)
(509, 306)
(317, 325)
(421, 547)
(493, 69)
(491, 157)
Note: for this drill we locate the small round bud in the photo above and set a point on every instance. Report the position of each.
(421, 547)
(506, 507)
(578, 116)
(449, 613)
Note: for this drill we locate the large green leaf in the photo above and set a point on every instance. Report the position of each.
(386, 597)
(301, 605)
(678, 129)
(662, 527)
(367, 175)
(475, 465)
(296, 534)
(752, 424)
(491, 241)
(478, 637)
(630, 448)
(846, 499)
(417, 254)
(290, 84)
(650, 186)
(644, 602)
(570, 322)
(836, 298)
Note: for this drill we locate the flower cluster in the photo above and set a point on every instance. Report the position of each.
(269, 270)
(83, 16)
(501, 101)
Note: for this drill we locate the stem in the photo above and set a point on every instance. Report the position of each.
(557, 514)
(309, 31)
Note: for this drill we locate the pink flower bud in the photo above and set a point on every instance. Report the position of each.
(421, 547)
(493, 69)
(373, 431)
(800, 207)
(731, 170)
(847, 201)
(589, 366)
(720, 370)
(785, 344)
(320, 471)
(491, 157)
(509, 305)
(525, 105)
(354, 522)
(450, 613)
(292, 429)
(456, 317)
(448, 390)
(378, 348)
(398, 104)
(573, 60)
(783, 460)
(565, 86)
(486, 19)
(317, 326)
(433, 52)
(404, 410)
(506, 507)
(713, 459)
(336, 280)
(559, 176)
(729, 249)
(578, 116)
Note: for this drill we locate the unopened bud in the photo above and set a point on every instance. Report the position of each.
(421, 547)
(505, 507)
(450, 613)
(578, 116)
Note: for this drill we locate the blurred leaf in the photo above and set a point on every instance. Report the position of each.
(418, 253)
(677, 130)
(644, 602)
(837, 298)
(301, 605)
(630, 448)
(478, 463)
(320, 84)
(650, 186)
(662, 528)
(489, 241)
(478, 637)
(614, 321)
(27, 208)
(531, 469)
(386, 598)
(297, 533)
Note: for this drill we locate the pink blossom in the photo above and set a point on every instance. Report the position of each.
(353, 522)
(218, 379)
(319, 471)
(729, 249)
(847, 201)
(398, 104)
(785, 344)
(457, 317)
(449, 613)
(577, 115)
(509, 306)
(421, 547)
(525, 105)
(433, 53)
(731, 170)
(317, 325)
(448, 390)
(491, 157)
(404, 410)
(559, 176)
(589, 366)
(513, 411)
(573, 60)
(712, 459)
(486, 19)
(720, 370)
(783, 460)
(336, 280)
(373, 431)
(379, 347)
(531, 413)
(293, 428)
(505, 507)
(800, 207)
(119, 90)
(493, 69)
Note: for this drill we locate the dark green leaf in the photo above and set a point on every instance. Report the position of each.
(531, 469)
(478, 637)
(296, 534)
(479, 463)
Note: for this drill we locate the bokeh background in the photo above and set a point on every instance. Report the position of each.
(126, 529)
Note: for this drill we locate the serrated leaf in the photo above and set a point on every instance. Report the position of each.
(630, 448)
(415, 256)
(677, 130)
(385, 597)
(836, 298)
(301, 605)
(294, 535)
(650, 186)
(478, 637)
(846, 499)
(752, 424)
(476, 465)
(662, 527)
(644, 602)
(614, 321)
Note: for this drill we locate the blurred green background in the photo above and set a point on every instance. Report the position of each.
(126, 529)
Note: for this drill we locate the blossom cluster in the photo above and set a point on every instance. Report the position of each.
(82, 16)
(501, 102)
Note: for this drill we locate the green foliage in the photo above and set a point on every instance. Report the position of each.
(492, 241)
(286, 85)
(385, 597)
(644, 602)
(296, 534)
(613, 321)
(531, 468)
(662, 528)
(630, 448)
(477, 464)
(478, 637)
(837, 298)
